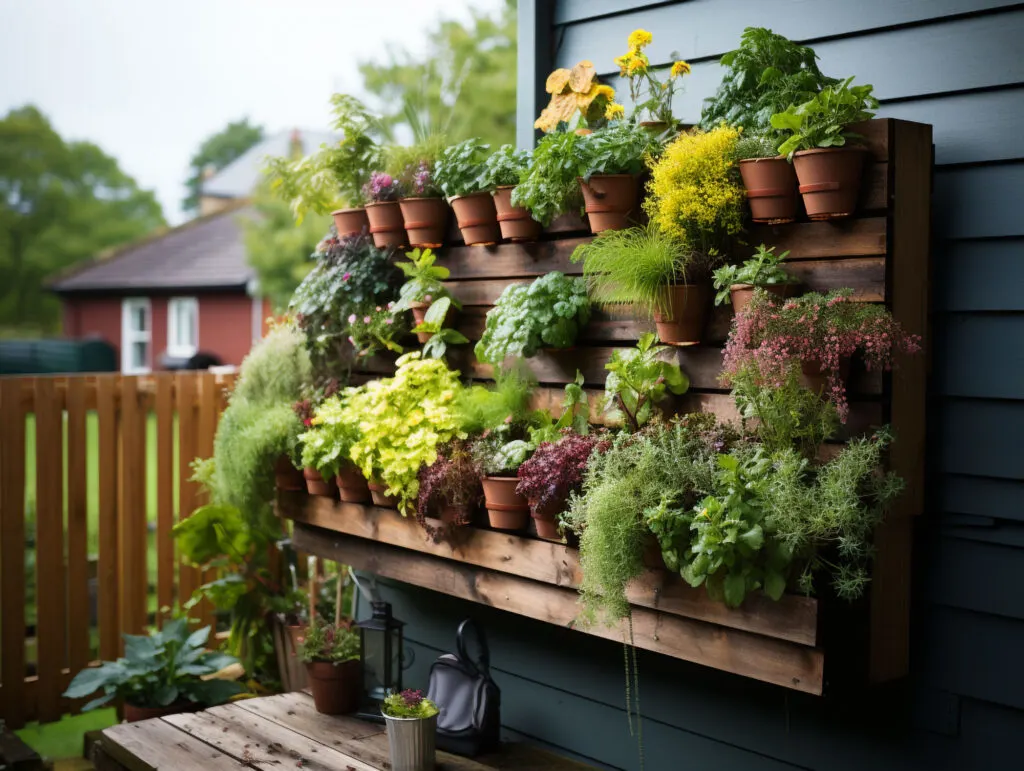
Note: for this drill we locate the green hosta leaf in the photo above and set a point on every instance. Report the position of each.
(140, 649)
(754, 538)
(97, 702)
(735, 589)
(166, 694)
(774, 585)
(211, 692)
(199, 637)
(90, 679)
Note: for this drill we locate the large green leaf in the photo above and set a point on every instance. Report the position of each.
(212, 531)
(90, 679)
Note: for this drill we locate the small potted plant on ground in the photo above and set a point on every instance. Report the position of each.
(411, 721)
(433, 334)
(548, 476)
(458, 174)
(636, 68)
(326, 446)
(331, 655)
(769, 180)
(449, 490)
(161, 674)
(387, 227)
(423, 286)
(763, 270)
(550, 311)
(502, 172)
(828, 158)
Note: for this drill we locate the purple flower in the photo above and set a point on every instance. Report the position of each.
(352, 319)
(346, 277)
(389, 321)
(367, 319)
(427, 298)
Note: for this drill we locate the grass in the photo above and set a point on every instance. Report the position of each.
(63, 739)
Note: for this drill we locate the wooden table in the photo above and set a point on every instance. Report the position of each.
(280, 732)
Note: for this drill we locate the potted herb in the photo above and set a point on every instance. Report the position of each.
(814, 335)
(696, 198)
(331, 655)
(550, 311)
(387, 227)
(502, 172)
(828, 157)
(636, 68)
(449, 490)
(411, 721)
(769, 180)
(548, 476)
(763, 270)
(458, 175)
(577, 93)
(161, 673)
(638, 378)
(423, 286)
(610, 161)
(550, 186)
(319, 463)
(326, 446)
(498, 454)
(435, 336)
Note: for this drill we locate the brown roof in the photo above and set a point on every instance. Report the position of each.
(205, 253)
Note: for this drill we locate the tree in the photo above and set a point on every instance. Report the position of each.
(60, 203)
(473, 64)
(216, 152)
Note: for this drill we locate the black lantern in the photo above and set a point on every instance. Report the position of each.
(380, 649)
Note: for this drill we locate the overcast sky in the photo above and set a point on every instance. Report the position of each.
(148, 81)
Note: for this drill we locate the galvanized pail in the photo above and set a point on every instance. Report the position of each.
(411, 741)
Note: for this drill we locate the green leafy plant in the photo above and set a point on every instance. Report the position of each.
(409, 704)
(458, 170)
(621, 147)
(765, 75)
(424, 281)
(158, 670)
(500, 451)
(377, 329)
(551, 185)
(756, 146)
(549, 311)
(824, 119)
(506, 401)
(327, 642)
(763, 269)
(637, 380)
(327, 444)
(440, 336)
(505, 166)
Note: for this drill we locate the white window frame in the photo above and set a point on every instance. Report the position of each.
(129, 335)
(175, 307)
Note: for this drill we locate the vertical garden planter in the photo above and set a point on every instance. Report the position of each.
(609, 200)
(335, 687)
(386, 224)
(830, 180)
(478, 219)
(506, 509)
(350, 222)
(683, 323)
(352, 487)
(516, 223)
(771, 189)
(426, 221)
(317, 485)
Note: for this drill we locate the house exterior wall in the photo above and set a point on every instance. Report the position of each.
(955, 64)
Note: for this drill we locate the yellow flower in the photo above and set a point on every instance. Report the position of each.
(639, 38)
(637, 65)
(680, 68)
(606, 91)
(622, 62)
(614, 111)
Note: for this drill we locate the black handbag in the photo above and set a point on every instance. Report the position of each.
(469, 722)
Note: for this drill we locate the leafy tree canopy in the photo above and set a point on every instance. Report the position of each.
(60, 202)
(217, 151)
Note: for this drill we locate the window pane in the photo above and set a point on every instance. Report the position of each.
(138, 355)
(139, 318)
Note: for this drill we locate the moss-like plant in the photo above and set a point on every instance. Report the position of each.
(409, 704)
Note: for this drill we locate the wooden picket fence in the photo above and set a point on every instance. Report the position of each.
(137, 428)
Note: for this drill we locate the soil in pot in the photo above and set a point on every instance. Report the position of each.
(335, 687)
(516, 223)
(350, 222)
(352, 487)
(379, 497)
(771, 189)
(287, 477)
(478, 219)
(609, 200)
(687, 309)
(426, 221)
(830, 180)
(386, 224)
(317, 485)
(506, 509)
(133, 714)
(742, 294)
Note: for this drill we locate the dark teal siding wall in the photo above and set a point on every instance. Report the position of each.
(959, 65)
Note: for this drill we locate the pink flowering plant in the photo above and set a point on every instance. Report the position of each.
(408, 704)
(382, 187)
(372, 330)
(774, 339)
(418, 180)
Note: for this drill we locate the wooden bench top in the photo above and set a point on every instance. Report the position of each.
(280, 732)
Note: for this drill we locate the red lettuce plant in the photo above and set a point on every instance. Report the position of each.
(555, 469)
(775, 338)
(452, 480)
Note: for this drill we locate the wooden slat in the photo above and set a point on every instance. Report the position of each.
(150, 745)
(209, 397)
(186, 397)
(78, 535)
(858, 237)
(762, 658)
(792, 618)
(51, 640)
(12, 552)
(134, 580)
(164, 494)
(108, 569)
(296, 711)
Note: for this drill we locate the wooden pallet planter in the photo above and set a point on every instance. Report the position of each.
(882, 254)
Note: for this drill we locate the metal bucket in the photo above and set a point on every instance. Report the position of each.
(411, 742)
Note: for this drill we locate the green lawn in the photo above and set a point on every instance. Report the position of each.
(63, 739)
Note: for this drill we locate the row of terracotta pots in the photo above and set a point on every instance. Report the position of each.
(828, 179)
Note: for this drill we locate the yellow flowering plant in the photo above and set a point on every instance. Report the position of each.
(635, 66)
(577, 91)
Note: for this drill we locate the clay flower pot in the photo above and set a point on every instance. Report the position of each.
(506, 509)
(350, 222)
(426, 221)
(830, 180)
(352, 486)
(419, 315)
(609, 200)
(386, 224)
(379, 497)
(478, 219)
(544, 519)
(457, 516)
(741, 294)
(683, 324)
(287, 477)
(771, 189)
(516, 222)
(335, 687)
(133, 714)
(317, 485)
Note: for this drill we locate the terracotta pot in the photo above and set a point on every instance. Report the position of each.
(516, 222)
(317, 485)
(380, 498)
(133, 714)
(687, 309)
(771, 189)
(506, 509)
(830, 180)
(335, 686)
(545, 519)
(609, 200)
(459, 516)
(742, 294)
(813, 378)
(426, 221)
(478, 219)
(419, 315)
(386, 224)
(352, 486)
(287, 477)
(350, 222)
